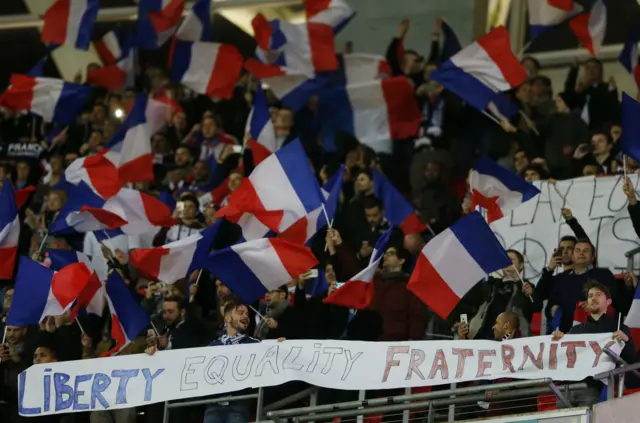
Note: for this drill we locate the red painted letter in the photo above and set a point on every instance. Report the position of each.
(571, 351)
(484, 365)
(417, 357)
(391, 352)
(462, 354)
(537, 361)
(439, 363)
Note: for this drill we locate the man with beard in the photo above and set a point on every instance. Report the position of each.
(236, 317)
(598, 321)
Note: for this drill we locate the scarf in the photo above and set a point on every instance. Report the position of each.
(231, 340)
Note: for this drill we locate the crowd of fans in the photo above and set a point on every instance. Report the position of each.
(556, 136)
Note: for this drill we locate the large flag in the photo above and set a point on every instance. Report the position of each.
(629, 55)
(304, 48)
(117, 75)
(545, 14)
(630, 142)
(70, 22)
(454, 261)
(633, 317)
(41, 292)
(130, 147)
(207, 68)
(253, 268)
(263, 141)
(132, 211)
(481, 70)
(280, 191)
(590, 28)
(91, 298)
(497, 189)
(128, 318)
(397, 209)
(335, 13)
(177, 259)
(357, 292)
(95, 171)
(111, 47)
(157, 21)
(317, 219)
(9, 230)
(53, 99)
(197, 25)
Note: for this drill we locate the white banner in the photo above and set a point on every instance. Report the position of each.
(135, 380)
(600, 206)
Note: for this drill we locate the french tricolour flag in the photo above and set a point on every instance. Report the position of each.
(375, 112)
(97, 172)
(545, 14)
(177, 259)
(482, 69)
(111, 47)
(263, 141)
(197, 25)
(630, 142)
(117, 75)
(253, 268)
(91, 298)
(207, 68)
(335, 13)
(633, 317)
(357, 292)
(41, 292)
(590, 28)
(132, 211)
(9, 231)
(629, 55)
(303, 48)
(130, 147)
(454, 261)
(128, 318)
(397, 209)
(53, 99)
(70, 22)
(157, 21)
(280, 191)
(317, 219)
(497, 189)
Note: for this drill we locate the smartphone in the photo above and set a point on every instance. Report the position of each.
(557, 252)
(237, 149)
(464, 319)
(180, 208)
(586, 148)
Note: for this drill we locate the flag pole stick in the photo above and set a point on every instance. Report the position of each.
(44, 240)
(619, 320)
(4, 336)
(196, 284)
(329, 224)
(624, 165)
(80, 326)
(521, 280)
(257, 312)
(155, 329)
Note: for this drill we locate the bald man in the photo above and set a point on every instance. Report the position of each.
(507, 326)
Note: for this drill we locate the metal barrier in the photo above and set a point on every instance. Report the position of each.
(630, 255)
(610, 376)
(230, 398)
(429, 401)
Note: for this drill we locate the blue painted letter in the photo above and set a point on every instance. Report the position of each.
(100, 384)
(149, 382)
(78, 393)
(25, 411)
(60, 385)
(124, 375)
